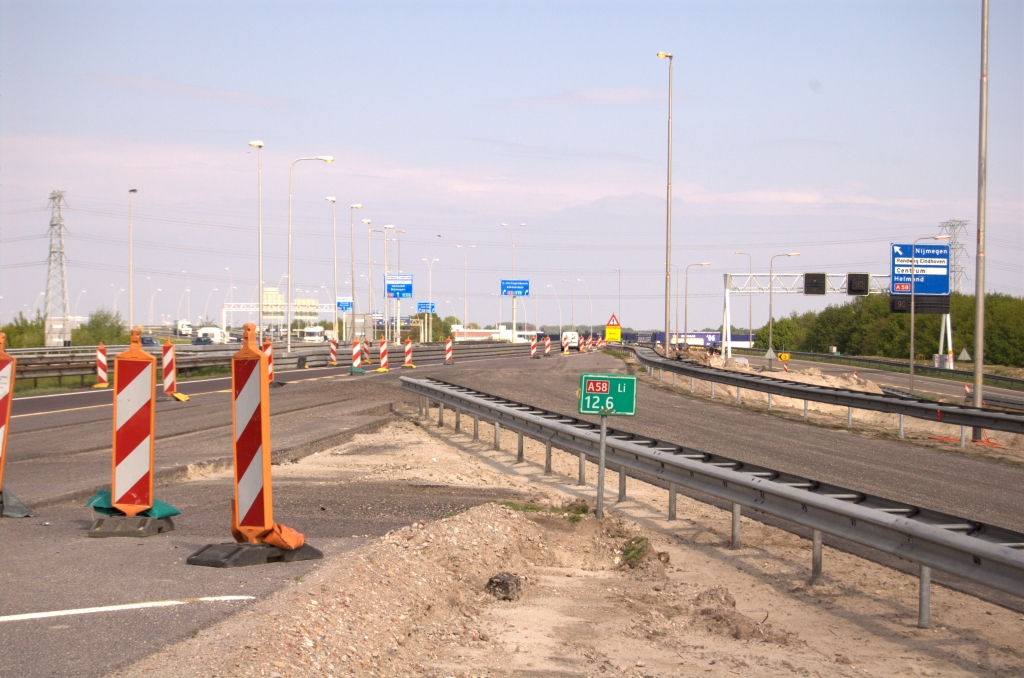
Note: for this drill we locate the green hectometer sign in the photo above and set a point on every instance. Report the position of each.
(608, 394)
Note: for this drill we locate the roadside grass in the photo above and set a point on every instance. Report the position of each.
(574, 512)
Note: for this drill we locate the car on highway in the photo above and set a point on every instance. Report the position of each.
(203, 341)
(150, 341)
(715, 348)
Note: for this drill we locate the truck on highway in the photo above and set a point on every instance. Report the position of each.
(183, 328)
(313, 334)
(574, 339)
(216, 334)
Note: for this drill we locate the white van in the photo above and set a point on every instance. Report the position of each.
(573, 337)
(313, 334)
(216, 334)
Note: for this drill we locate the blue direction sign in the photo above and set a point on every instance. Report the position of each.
(344, 303)
(930, 264)
(425, 307)
(515, 288)
(398, 286)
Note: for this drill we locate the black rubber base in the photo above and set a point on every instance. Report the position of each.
(134, 526)
(12, 507)
(277, 384)
(244, 555)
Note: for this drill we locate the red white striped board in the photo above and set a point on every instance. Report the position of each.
(131, 487)
(383, 353)
(8, 369)
(448, 355)
(357, 353)
(268, 350)
(101, 366)
(170, 369)
(547, 345)
(334, 351)
(252, 509)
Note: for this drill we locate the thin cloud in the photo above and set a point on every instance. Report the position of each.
(187, 91)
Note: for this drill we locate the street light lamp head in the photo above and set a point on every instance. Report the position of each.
(357, 206)
(366, 221)
(942, 237)
(330, 199)
(706, 263)
(132, 190)
(793, 254)
(664, 55)
(326, 158)
(256, 144)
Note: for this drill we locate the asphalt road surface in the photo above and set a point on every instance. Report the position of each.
(60, 453)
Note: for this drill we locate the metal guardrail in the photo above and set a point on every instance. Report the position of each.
(991, 379)
(947, 413)
(219, 355)
(986, 554)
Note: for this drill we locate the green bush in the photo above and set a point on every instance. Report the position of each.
(24, 333)
(103, 326)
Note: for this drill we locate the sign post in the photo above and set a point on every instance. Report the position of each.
(607, 395)
(613, 330)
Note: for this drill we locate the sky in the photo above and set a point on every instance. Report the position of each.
(826, 128)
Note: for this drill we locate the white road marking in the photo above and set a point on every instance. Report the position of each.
(117, 608)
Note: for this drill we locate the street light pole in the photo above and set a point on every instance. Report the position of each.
(750, 300)
(686, 302)
(430, 297)
(334, 228)
(572, 305)
(913, 279)
(771, 313)
(512, 233)
(369, 283)
(291, 175)
(258, 145)
(668, 207)
(352, 243)
(619, 317)
(131, 263)
(559, 312)
(979, 263)
(591, 305)
(465, 286)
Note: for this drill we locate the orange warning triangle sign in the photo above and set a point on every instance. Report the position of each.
(612, 322)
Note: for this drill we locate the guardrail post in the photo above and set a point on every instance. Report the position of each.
(963, 436)
(805, 410)
(713, 390)
(547, 458)
(691, 384)
(419, 413)
(901, 426)
(671, 501)
(519, 452)
(600, 469)
(476, 427)
(582, 480)
(673, 380)
(497, 436)
(440, 414)
(849, 417)
(924, 599)
(735, 542)
(739, 395)
(458, 422)
(661, 375)
(622, 483)
(815, 555)
(769, 402)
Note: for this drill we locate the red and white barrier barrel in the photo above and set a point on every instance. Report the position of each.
(565, 345)
(547, 345)
(383, 353)
(252, 509)
(334, 351)
(408, 354)
(533, 346)
(101, 367)
(357, 353)
(366, 351)
(169, 368)
(8, 369)
(268, 350)
(449, 358)
(131, 487)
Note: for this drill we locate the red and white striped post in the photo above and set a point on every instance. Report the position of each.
(547, 346)
(131, 488)
(583, 345)
(252, 509)
(408, 354)
(268, 350)
(366, 352)
(8, 369)
(357, 357)
(170, 369)
(533, 346)
(565, 344)
(101, 367)
(383, 353)
(334, 351)
(449, 358)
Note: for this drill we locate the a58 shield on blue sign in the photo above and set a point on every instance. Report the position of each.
(425, 307)
(515, 288)
(930, 264)
(344, 303)
(398, 286)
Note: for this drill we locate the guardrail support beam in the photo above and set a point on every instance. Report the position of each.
(924, 599)
(691, 384)
(440, 414)
(735, 543)
(739, 395)
(458, 422)
(671, 501)
(769, 402)
(519, 452)
(713, 391)
(963, 436)
(805, 410)
(497, 436)
(582, 480)
(622, 483)
(476, 427)
(901, 426)
(815, 555)
(547, 458)
(673, 380)
(849, 417)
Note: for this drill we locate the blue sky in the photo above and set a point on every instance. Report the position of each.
(829, 128)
